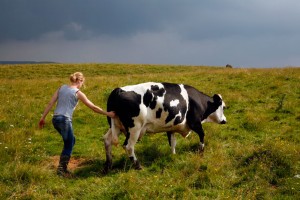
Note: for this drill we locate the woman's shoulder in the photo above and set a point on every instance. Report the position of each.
(62, 87)
(65, 86)
(66, 89)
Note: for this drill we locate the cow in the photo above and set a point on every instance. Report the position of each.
(158, 107)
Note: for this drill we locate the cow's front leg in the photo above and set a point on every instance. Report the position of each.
(108, 145)
(199, 130)
(126, 139)
(172, 141)
(130, 149)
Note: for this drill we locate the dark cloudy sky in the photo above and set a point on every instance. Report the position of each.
(252, 33)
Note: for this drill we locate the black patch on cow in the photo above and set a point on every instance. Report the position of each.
(198, 106)
(212, 106)
(153, 103)
(217, 100)
(147, 98)
(178, 120)
(150, 97)
(158, 113)
(126, 105)
(112, 102)
(173, 93)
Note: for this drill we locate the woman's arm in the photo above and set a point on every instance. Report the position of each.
(92, 106)
(48, 108)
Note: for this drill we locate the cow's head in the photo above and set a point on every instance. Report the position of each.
(215, 112)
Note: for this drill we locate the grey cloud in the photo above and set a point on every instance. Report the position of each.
(193, 19)
(23, 20)
(215, 32)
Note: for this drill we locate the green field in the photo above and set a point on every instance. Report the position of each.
(256, 155)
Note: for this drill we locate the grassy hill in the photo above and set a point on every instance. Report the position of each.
(255, 156)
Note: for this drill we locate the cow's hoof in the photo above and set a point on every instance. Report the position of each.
(201, 147)
(201, 150)
(137, 165)
(107, 168)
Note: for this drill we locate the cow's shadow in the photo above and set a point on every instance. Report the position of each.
(89, 168)
(154, 157)
(95, 168)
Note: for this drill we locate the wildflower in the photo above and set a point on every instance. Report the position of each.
(297, 176)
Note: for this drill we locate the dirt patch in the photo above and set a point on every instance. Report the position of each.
(73, 164)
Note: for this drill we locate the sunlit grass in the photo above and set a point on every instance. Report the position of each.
(254, 156)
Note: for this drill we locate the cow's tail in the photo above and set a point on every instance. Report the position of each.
(114, 134)
(112, 105)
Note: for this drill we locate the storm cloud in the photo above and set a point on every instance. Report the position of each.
(217, 32)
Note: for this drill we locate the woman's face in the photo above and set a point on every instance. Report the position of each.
(80, 83)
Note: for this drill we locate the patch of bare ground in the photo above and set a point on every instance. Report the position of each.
(74, 163)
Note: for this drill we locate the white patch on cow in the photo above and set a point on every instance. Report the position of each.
(185, 95)
(201, 147)
(220, 112)
(141, 88)
(174, 103)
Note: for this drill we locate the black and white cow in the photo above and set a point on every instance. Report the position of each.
(159, 107)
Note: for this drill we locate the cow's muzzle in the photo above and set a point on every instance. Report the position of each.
(223, 122)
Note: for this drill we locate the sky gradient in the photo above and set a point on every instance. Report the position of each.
(252, 33)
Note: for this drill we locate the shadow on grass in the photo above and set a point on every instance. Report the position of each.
(151, 156)
(89, 168)
(95, 168)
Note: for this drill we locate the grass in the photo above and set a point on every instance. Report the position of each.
(254, 156)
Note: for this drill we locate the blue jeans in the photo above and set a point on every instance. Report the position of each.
(64, 126)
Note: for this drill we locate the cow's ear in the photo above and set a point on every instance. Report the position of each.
(217, 99)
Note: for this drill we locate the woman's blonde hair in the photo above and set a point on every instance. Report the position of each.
(77, 76)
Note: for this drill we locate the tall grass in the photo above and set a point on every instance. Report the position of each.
(255, 156)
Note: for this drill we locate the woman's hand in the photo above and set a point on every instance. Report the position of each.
(111, 114)
(42, 123)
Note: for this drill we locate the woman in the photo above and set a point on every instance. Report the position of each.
(67, 98)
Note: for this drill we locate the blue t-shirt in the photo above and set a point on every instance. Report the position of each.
(67, 101)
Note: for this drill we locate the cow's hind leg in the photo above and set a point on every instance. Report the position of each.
(134, 135)
(110, 138)
(108, 145)
(172, 141)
